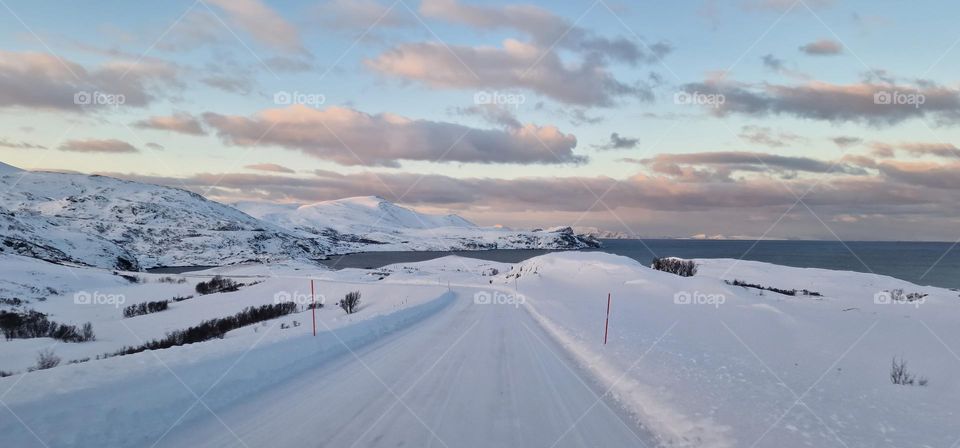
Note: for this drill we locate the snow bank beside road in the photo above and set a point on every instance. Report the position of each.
(141, 396)
(757, 366)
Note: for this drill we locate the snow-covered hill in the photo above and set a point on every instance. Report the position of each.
(106, 222)
(111, 223)
(602, 234)
(372, 223)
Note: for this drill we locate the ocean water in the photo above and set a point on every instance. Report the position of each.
(923, 263)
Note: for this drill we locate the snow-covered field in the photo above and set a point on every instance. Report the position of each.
(463, 352)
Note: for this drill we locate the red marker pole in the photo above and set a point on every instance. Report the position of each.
(606, 326)
(313, 307)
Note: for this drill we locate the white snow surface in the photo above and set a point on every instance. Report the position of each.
(423, 363)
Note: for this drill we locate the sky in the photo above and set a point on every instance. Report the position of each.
(800, 119)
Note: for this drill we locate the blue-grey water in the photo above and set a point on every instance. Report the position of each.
(924, 263)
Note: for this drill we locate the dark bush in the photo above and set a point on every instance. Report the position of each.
(181, 298)
(124, 264)
(34, 324)
(214, 328)
(786, 292)
(683, 268)
(145, 308)
(217, 284)
(350, 302)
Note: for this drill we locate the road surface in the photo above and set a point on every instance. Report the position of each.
(469, 376)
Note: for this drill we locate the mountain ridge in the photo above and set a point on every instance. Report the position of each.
(105, 222)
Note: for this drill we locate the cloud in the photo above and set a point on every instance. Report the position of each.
(928, 174)
(773, 63)
(493, 114)
(361, 15)
(228, 83)
(940, 149)
(845, 141)
(724, 163)
(618, 142)
(44, 81)
(534, 63)
(822, 47)
(768, 137)
(785, 5)
(96, 145)
(746, 206)
(872, 103)
(181, 122)
(515, 65)
(546, 29)
(351, 137)
(861, 194)
(262, 23)
(19, 145)
(270, 167)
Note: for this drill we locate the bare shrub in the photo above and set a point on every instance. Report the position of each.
(683, 268)
(86, 332)
(350, 302)
(46, 359)
(172, 280)
(899, 374)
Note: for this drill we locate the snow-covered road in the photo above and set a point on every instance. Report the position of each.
(469, 376)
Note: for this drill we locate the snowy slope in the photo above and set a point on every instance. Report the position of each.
(107, 222)
(372, 223)
(704, 363)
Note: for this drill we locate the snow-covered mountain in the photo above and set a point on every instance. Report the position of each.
(602, 234)
(371, 223)
(111, 223)
(106, 222)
